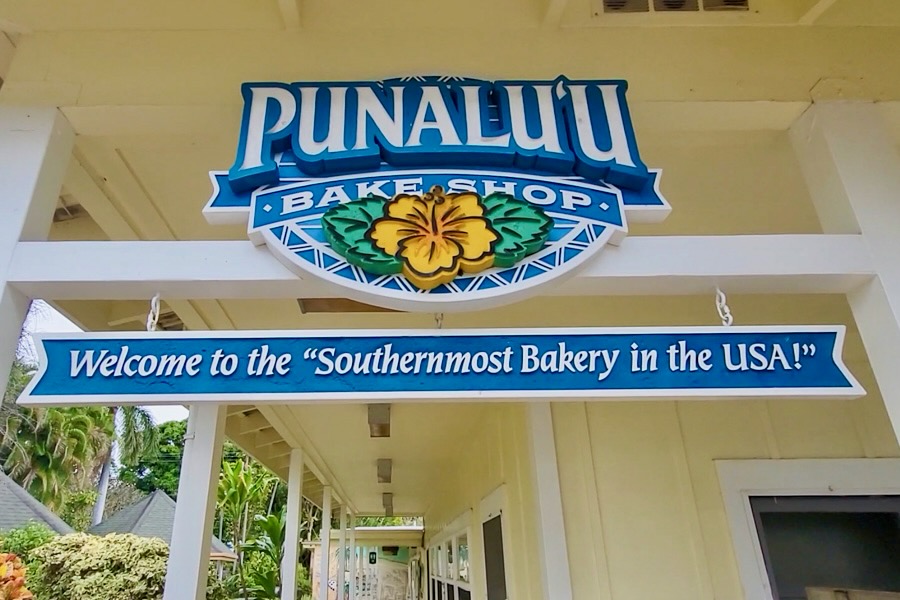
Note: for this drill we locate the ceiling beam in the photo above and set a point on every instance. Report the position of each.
(291, 11)
(251, 423)
(286, 423)
(553, 11)
(815, 11)
(641, 265)
(648, 115)
(7, 51)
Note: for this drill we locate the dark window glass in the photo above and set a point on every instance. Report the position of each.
(833, 542)
(464, 594)
(494, 566)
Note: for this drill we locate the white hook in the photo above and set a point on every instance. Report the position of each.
(722, 308)
(153, 315)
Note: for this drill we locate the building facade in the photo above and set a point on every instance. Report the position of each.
(776, 125)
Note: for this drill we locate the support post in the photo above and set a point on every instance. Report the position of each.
(552, 548)
(354, 560)
(293, 516)
(187, 571)
(325, 549)
(852, 168)
(35, 149)
(342, 553)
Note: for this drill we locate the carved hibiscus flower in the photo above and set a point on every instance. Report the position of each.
(436, 236)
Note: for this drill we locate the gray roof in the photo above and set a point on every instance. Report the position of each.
(153, 516)
(18, 507)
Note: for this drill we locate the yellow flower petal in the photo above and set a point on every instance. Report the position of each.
(409, 208)
(474, 266)
(428, 255)
(388, 234)
(473, 234)
(467, 205)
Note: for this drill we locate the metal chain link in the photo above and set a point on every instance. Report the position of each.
(722, 308)
(439, 320)
(153, 315)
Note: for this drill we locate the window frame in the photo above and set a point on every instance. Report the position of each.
(446, 573)
(739, 480)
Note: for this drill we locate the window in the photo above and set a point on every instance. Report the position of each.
(848, 542)
(494, 559)
(449, 577)
(462, 557)
(745, 484)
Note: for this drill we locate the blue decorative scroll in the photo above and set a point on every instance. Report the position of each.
(322, 366)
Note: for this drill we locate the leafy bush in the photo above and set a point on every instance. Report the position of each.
(86, 567)
(77, 509)
(21, 541)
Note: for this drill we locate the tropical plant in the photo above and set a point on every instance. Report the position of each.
(79, 566)
(12, 579)
(162, 470)
(263, 577)
(241, 485)
(19, 376)
(77, 509)
(121, 494)
(264, 574)
(135, 437)
(21, 541)
(53, 451)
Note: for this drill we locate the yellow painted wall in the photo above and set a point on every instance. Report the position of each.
(643, 511)
(496, 454)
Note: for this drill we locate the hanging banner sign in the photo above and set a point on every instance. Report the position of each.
(514, 364)
(436, 193)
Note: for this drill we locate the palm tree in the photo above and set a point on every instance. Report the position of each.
(136, 437)
(50, 451)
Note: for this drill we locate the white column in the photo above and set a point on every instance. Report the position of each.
(293, 516)
(186, 573)
(342, 556)
(852, 168)
(35, 149)
(354, 560)
(552, 548)
(325, 548)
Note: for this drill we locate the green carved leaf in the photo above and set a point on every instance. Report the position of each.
(523, 228)
(345, 227)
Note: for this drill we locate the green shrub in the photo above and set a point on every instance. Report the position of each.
(22, 540)
(87, 567)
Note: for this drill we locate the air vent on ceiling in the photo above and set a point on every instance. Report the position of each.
(726, 5)
(645, 6)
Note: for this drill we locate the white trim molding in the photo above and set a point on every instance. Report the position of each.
(642, 265)
(740, 480)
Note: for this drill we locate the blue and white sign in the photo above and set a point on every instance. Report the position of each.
(371, 366)
(534, 178)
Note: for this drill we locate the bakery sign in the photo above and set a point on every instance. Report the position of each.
(436, 193)
(441, 365)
